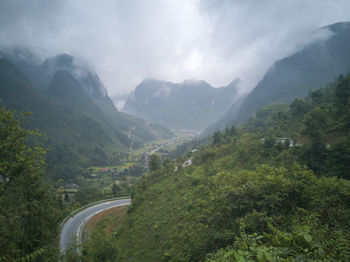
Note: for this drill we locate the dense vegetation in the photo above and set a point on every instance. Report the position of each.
(28, 210)
(277, 189)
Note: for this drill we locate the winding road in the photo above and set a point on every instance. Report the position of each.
(73, 227)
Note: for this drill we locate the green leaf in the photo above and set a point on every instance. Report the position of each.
(261, 256)
(229, 253)
(307, 237)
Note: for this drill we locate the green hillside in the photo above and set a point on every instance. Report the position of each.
(294, 76)
(140, 130)
(41, 74)
(74, 138)
(256, 194)
(74, 111)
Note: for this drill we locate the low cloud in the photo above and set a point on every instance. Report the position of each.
(127, 41)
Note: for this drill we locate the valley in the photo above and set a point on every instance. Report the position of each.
(231, 140)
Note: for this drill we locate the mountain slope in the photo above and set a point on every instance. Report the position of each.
(225, 121)
(74, 138)
(29, 65)
(189, 105)
(66, 90)
(140, 131)
(41, 76)
(249, 195)
(294, 76)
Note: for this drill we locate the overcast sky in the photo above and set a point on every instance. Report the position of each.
(127, 41)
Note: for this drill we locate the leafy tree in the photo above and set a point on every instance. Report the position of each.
(337, 160)
(154, 162)
(27, 213)
(314, 154)
(217, 138)
(115, 189)
(299, 107)
(342, 92)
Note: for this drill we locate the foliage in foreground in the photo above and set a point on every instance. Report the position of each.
(279, 212)
(27, 213)
(250, 196)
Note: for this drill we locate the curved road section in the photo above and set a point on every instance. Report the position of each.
(74, 226)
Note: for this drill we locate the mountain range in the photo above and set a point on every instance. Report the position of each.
(190, 105)
(72, 109)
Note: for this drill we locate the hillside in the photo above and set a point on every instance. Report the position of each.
(76, 131)
(190, 105)
(226, 120)
(251, 194)
(74, 138)
(41, 75)
(294, 76)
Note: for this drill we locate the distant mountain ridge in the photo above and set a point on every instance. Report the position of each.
(191, 105)
(294, 76)
(80, 127)
(41, 75)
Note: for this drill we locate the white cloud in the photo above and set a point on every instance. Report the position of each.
(127, 41)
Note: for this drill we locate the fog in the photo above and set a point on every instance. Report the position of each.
(128, 41)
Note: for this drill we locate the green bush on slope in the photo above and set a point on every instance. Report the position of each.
(27, 207)
(250, 195)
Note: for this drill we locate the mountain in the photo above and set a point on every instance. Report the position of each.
(140, 130)
(41, 75)
(81, 71)
(66, 89)
(250, 195)
(73, 137)
(76, 131)
(294, 76)
(190, 105)
(28, 63)
(225, 121)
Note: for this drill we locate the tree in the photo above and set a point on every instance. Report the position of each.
(115, 189)
(66, 197)
(27, 213)
(217, 138)
(154, 162)
(299, 107)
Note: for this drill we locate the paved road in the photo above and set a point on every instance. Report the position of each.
(74, 226)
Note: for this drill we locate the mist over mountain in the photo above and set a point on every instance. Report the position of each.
(41, 75)
(192, 104)
(294, 76)
(80, 124)
(226, 120)
(88, 79)
(162, 130)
